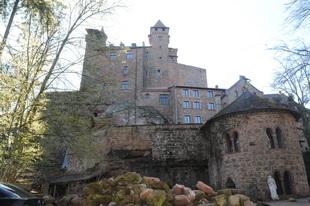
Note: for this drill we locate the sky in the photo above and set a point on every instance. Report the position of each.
(228, 38)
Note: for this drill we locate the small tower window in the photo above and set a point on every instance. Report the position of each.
(160, 38)
(146, 54)
(158, 73)
(236, 94)
(229, 144)
(160, 59)
(147, 96)
(171, 59)
(270, 138)
(279, 138)
(236, 142)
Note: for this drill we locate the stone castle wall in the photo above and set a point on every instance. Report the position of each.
(250, 167)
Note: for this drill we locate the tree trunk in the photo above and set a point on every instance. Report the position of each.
(8, 28)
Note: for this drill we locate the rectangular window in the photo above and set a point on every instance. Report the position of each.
(147, 96)
(187, 119)
(160, 59)
(211, 106)
(210, 94)
(171, 60)
(125, 70)
(197, 119)
(158, 73)
(163, 99)
(196, 105)
(186, 104)
(124, 85)
(113, 56)
(185, 92)
(146, 54)
(129, 55)
(196, 93)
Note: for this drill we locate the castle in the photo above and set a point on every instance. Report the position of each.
(161, 119)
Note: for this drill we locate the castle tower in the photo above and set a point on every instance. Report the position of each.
(159, 36)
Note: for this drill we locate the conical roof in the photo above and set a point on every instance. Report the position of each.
(249, 102)
(159, 24)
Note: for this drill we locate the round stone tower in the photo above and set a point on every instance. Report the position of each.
(251, 139)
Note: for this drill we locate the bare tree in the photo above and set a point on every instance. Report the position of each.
(34, 61)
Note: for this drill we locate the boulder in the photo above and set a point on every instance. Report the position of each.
(157, 198)
(220, 200)
(150, 180)
(189, 193)
(181, 200)
(205, 188)
(145, 193)
(233, 200)
(177, 189)
(249, 203)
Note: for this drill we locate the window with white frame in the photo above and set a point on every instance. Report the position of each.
(196, 105)
(186, 104)
(163, 99)
(197, 119)
(129, 55)
(195, 93)
(124, 85)
(187, 119)
(210, 94)
(125, 70)
(211, 106)
(113, 56)
(185, 92)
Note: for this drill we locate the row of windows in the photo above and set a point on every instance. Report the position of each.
(129, 55)
(233, 145)
(187, 119)
(195, 93)
(196, 105)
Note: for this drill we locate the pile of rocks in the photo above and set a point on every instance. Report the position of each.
(131, 189)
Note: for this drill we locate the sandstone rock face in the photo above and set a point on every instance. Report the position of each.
(124, 114)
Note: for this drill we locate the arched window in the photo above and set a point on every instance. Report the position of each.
(279, 138)
(287, 183)
(236, 142)
(236, 94)
(278, 183)
(228, 143)
(270, 138)
(230, 183)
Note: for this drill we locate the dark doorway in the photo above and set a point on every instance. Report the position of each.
(278, 183)
(287, 183)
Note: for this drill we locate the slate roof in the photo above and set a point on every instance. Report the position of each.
(249, 102)
(159, 24)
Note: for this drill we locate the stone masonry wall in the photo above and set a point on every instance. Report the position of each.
(174, 153)
(250, 167)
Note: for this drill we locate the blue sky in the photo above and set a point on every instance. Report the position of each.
(226, 37)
